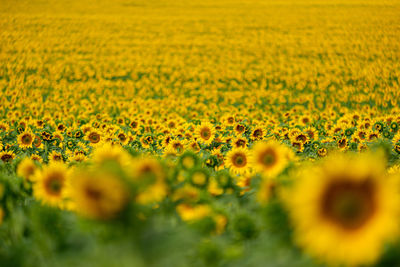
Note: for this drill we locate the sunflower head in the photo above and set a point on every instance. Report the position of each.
(108, 152)
(50, 184)
(97, 195)
(199, 177)
(188, 160)
(344, 200)
(149, 175)
(205, 133)
(270, 158)
(94, 137)
(257, 133)
(238, 160)
(55, 156)
(26, 168)
(26, 139)
(7, 156)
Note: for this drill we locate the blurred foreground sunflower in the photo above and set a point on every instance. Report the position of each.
(50, 184)
(344, 210)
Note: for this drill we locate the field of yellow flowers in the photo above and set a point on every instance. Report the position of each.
(199, 133)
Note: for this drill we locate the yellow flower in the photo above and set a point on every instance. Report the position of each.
(108, 152)
(7, 156)
(150, 174)
(239, 142)
(257, 134)
(192, 213)
(55, 156)
(3, 127)
(205, 133)
(344, 210)
(26, 168)
(214, 188)
(187, 193)
(25, 139)
(97, 194)
(244, 183)
(50, 184)
(94, 137)
(238, 160)
(270, 158)
(36, 157)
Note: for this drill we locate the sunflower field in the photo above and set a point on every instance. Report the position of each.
(199, 133)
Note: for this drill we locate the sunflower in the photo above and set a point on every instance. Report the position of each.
(322, 152)
(46, 136)
(108, 152)
(3, 127)
(123, 138)
(151, 176)
(61, 127)
(199, 177)
(78, 157)
(312, 133)
(26, 168)
(244, 183)
(55, 156)
(26, 139)
(36, 157)
(229, 120)
(239, 128)
(177, 145)
(58, 135)
(169, 153)
(188, 160)
(239, 142)
(270, 158)
(300, 137)
(257, 134)
(37, 142)
(214, 188)
(7, 156)
(205, 133)
(346, 200)
(305, 120)
(342, 143)
(192, 213)
(50, 184)
(186, 193)
(361, 134)
(193, 146)
(299, 146)
(94, 137)
(238, 160)
(166, 141)
(134, 124)
(373, 135)
(97, 194)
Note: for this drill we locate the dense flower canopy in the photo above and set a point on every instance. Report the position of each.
(199, 133)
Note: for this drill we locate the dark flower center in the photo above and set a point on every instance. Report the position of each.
(26, 139)
(239, 160)
(349, 204)
(94, 137)
(54, 185)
